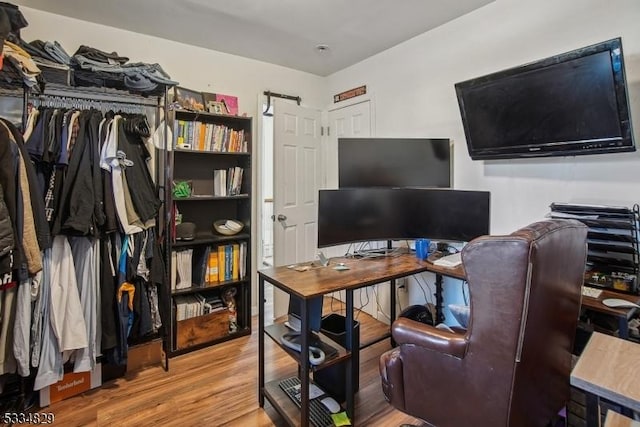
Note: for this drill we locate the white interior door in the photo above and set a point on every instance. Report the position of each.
(295, 187)
(353, 121)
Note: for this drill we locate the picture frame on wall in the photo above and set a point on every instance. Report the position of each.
(217, 107)
(188, 99)
(208, 97)
(230, 101)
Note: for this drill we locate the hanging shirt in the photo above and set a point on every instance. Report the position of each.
(85, 260)
(109, 160)
(50, 369)
(67, 317)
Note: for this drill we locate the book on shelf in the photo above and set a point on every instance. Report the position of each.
(189, 135)
(212, 267)
(227, 262)
(188, 306)
(221, 264)
(220, 182)
(235, 184)
(183, 269)
(227, 182)
(194, 305)
(179, 133)
(208, 265)
(232, 259)
(200, 265)
(235, 262)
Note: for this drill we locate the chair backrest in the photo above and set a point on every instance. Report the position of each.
(525, 291)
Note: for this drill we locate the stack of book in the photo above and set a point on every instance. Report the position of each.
(208, 265)
(232, 261)
(209, 137)
(181, 269)
(227, 182)
(188, 306)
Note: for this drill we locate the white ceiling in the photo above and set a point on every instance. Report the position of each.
(283, 32)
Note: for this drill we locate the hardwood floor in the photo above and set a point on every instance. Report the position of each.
(217, 386)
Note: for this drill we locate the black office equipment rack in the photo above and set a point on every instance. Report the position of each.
(612, 243)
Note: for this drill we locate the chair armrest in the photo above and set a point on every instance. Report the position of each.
(406, 331)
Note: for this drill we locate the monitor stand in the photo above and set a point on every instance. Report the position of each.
(380, 252)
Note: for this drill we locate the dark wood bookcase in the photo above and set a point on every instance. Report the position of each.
(195, 163)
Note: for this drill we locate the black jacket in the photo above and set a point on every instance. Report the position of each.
(37, 198)
(8, 178)
(80, 210)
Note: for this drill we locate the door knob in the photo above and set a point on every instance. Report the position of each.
(282, 218)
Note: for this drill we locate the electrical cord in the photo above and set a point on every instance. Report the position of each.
(375, 291)
(358, 309)
(455, 250)
(348, 252)
(361, 304)
(420, 280)
(316, 355)
(333, 298)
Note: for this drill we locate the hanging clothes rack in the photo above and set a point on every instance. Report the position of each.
(105, 99)
(65, 97)
(85, 104)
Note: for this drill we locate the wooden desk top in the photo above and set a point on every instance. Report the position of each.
(597, 305)
(613, 419)
(319, 280)
(608, 367)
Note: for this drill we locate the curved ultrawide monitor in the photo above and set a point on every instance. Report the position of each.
(367, 214)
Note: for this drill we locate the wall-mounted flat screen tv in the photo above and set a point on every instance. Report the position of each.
(571, 104)
(394, 162)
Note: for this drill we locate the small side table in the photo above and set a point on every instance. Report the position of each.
(608, 368)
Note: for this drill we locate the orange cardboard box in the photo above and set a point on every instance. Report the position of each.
(71, 384)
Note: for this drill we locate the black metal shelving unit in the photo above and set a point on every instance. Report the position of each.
(196, 164)
(612, 241)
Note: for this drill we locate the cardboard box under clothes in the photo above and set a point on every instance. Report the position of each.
(72, 383)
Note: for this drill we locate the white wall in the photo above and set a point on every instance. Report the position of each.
(194, 67)
(413, 89)
(413, 86)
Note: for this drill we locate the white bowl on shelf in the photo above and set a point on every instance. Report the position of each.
(228, 227)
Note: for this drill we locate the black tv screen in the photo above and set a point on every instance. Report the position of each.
(570, 104)
(367, 214)
(394, 162)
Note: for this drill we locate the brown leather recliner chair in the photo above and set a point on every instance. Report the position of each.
(512, 365)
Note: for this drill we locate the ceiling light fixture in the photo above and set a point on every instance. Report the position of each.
(322, 48)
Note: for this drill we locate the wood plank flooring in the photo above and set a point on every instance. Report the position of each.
(218, 386)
